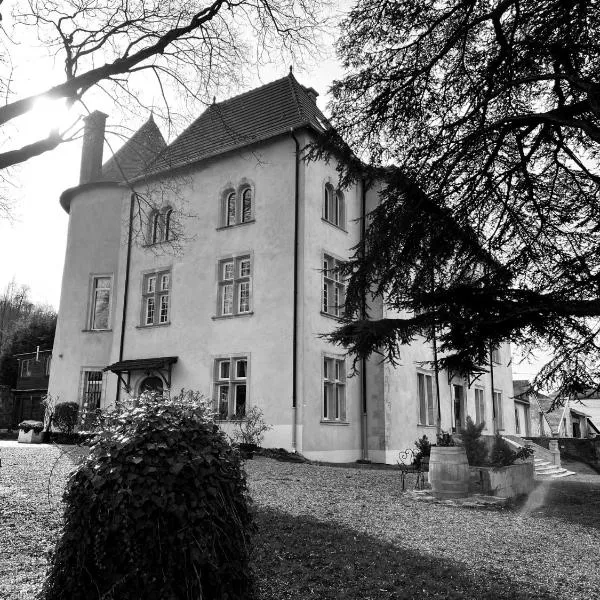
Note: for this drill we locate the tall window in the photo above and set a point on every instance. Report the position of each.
(26, 365)
(155, 298)
(498, 409)
(426, 399)
(334, 289)
(334, 389)
(238, 207)
(100, 303)
(160, 225)
(517, 422)
(230, 385)
(92, 389)
(334, 206)
(479, 406)
(235, 286)
(496, 358)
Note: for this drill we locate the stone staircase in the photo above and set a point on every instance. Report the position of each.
(545, 470)
(543, 460)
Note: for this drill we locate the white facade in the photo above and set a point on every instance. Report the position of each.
(258, 337)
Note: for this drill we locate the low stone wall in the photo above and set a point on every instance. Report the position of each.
(585, 450)
(505, 482)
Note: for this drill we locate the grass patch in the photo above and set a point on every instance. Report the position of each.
(347, 533)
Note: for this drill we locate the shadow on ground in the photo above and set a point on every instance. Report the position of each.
(300, 558)
(572, 501)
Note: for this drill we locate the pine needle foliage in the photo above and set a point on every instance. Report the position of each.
(158, 510)
(480, 124)
(473, 444)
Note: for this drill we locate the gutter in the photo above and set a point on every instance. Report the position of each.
(363, 361)
(126, 289)
(295, 318)
(494, 415)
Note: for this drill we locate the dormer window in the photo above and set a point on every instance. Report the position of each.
(334, 207)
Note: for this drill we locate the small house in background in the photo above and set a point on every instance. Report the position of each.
(571, 420)
(32, 385)
(534, 416)
(531, 419)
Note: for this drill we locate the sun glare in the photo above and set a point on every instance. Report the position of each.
(47, 115)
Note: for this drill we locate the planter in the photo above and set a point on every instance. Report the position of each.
(30, 436)
(505, 482)
(449, 472)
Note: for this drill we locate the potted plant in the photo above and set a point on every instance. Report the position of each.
(448, 468)
(30, 432)
(250, 432)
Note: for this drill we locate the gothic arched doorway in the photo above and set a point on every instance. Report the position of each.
(152, 384)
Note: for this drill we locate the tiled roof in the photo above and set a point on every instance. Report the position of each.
(521, 388)
(270, 110)
(136, 154)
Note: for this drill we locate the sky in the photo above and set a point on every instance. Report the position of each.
(33, 239)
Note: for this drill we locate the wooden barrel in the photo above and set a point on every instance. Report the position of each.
(449, 472)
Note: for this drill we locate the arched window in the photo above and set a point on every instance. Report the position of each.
(334, 210)
(160, 225)
(155, 226)
(246, 205)
(230, 206)
(152, 385)
(167, 212)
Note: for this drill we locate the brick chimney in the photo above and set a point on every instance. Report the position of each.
(93, 144)
(312, 93)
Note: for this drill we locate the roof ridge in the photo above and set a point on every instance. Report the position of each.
(250, 91)
(292, 80)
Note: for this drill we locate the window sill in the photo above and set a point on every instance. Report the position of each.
(223, 227)
(323, 313)
(153, 326)
(220, 317)
(333, 225)
(327, 422)
(96, 330)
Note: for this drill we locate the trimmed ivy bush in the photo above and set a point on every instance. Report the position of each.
(158, 510)
(65, 416)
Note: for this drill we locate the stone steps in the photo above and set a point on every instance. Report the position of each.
(545, 470)
(542, 460)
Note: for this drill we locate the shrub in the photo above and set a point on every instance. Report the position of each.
(423, 446)
(251, 429)
(65, 416)
(445, 439)
(158, 510)
(27, 426)
(503, 455)
(473, 444)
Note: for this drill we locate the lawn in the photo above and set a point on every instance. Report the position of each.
(327, 532)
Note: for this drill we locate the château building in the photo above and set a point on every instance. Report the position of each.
(210, 264)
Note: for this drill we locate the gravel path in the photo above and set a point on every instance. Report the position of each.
(329, 533)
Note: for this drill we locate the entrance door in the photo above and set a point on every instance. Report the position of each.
(576, 429)
(458, 393)
(152, 384)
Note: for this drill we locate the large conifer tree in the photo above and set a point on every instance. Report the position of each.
(482, 118)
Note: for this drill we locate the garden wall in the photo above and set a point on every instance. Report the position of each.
(506, 482)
